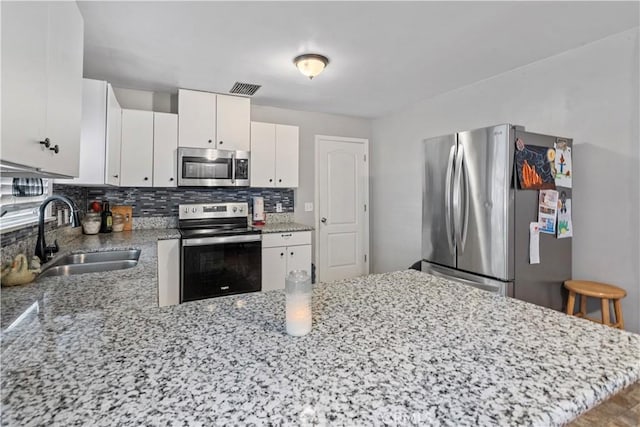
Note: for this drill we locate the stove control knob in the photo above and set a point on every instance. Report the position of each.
(235, 209)
(186, 210)
(241, 210)
(194, 210)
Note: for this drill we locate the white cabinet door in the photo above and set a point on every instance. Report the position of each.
(165, 146)
(299, 258)
(114, 139)
(168, 272)
(286, 156)
(92, 134)
(196, 119)
(274, 262)
(263, 154)
(136, 159)
(64, 87)
(24, 82)
(233, 118)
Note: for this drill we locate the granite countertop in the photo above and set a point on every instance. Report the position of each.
(283, 227)
(396, 348)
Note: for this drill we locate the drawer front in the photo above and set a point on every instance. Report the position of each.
(271, 240)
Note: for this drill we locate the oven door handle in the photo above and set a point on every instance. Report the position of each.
(221, 240)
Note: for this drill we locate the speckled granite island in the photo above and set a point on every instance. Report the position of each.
(397, 348)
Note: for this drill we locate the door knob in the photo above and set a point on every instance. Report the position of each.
(323, 220)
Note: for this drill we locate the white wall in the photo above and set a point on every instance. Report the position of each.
(590, 94)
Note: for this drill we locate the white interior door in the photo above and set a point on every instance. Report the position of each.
(342, 193)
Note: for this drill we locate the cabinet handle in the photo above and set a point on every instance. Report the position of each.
(221, 142)
(146, 178)
(210, 141)
(270, 180)
(281, 254)
(291, 253)
(46, 142)
(170, 179)
(115, 176)
(286, 235)
(279, 180)
(55, 149)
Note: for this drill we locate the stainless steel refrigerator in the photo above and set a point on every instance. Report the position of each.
(475, 218)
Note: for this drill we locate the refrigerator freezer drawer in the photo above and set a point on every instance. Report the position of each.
(491, 285)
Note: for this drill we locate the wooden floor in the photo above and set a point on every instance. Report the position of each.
(621, 410)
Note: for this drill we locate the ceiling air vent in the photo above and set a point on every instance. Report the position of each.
(244, 88)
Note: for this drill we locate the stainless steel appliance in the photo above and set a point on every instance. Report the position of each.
(475, 219)
(220, 253)
(204, 167)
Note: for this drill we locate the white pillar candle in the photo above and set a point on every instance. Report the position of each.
(298, 303)
(298, 314)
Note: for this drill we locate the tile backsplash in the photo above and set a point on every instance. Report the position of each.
(163, 202)
(152, 207)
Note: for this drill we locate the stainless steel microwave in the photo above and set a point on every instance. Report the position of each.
(205, 167)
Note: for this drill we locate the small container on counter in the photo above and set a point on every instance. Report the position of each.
(298, 303)
(118, 223)
(91, 223)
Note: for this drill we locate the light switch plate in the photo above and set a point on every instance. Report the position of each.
(279, 207)
(308, 207)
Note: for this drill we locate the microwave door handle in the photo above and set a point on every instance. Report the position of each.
(233, 168)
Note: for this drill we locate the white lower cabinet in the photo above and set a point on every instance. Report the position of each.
(282, 253)
(168, 272)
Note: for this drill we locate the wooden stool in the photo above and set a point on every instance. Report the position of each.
(597, 290)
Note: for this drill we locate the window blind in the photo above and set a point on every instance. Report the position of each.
(20, 200)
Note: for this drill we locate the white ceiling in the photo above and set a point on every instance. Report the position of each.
(384, 55)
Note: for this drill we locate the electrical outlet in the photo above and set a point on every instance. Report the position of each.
(308, 207)
(279, 207)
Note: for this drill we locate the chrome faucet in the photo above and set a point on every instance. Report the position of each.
(44, 252)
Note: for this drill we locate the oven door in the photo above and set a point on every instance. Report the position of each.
(225, 265)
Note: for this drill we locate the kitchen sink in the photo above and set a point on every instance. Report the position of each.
(92, 262)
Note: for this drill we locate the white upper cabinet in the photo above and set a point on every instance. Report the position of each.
(197, 119)
(136, 154)
(287, 159)
(209, 120)
(274, 155)
(114, 139)
(42, 48)
(92, 134)
(64, 87)
(263, 154)
(165, 147)
(233, 123)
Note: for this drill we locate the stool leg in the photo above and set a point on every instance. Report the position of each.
(583, 306)
(606, 318)
(571, 302)
(617, 306)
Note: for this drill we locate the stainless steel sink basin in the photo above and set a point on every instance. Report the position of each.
(92, 262)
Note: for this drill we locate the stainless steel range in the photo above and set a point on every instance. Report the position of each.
(220, 253)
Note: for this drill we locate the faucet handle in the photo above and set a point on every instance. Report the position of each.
(50, 250)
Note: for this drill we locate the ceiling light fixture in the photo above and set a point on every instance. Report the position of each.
(311, 64)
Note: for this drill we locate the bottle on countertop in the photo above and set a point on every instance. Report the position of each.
(106, 225)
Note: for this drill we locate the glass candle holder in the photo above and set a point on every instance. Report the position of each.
(298, 305)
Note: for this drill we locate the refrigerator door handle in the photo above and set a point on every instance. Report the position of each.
(447, 201)
(457, 181)
(465, 225)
